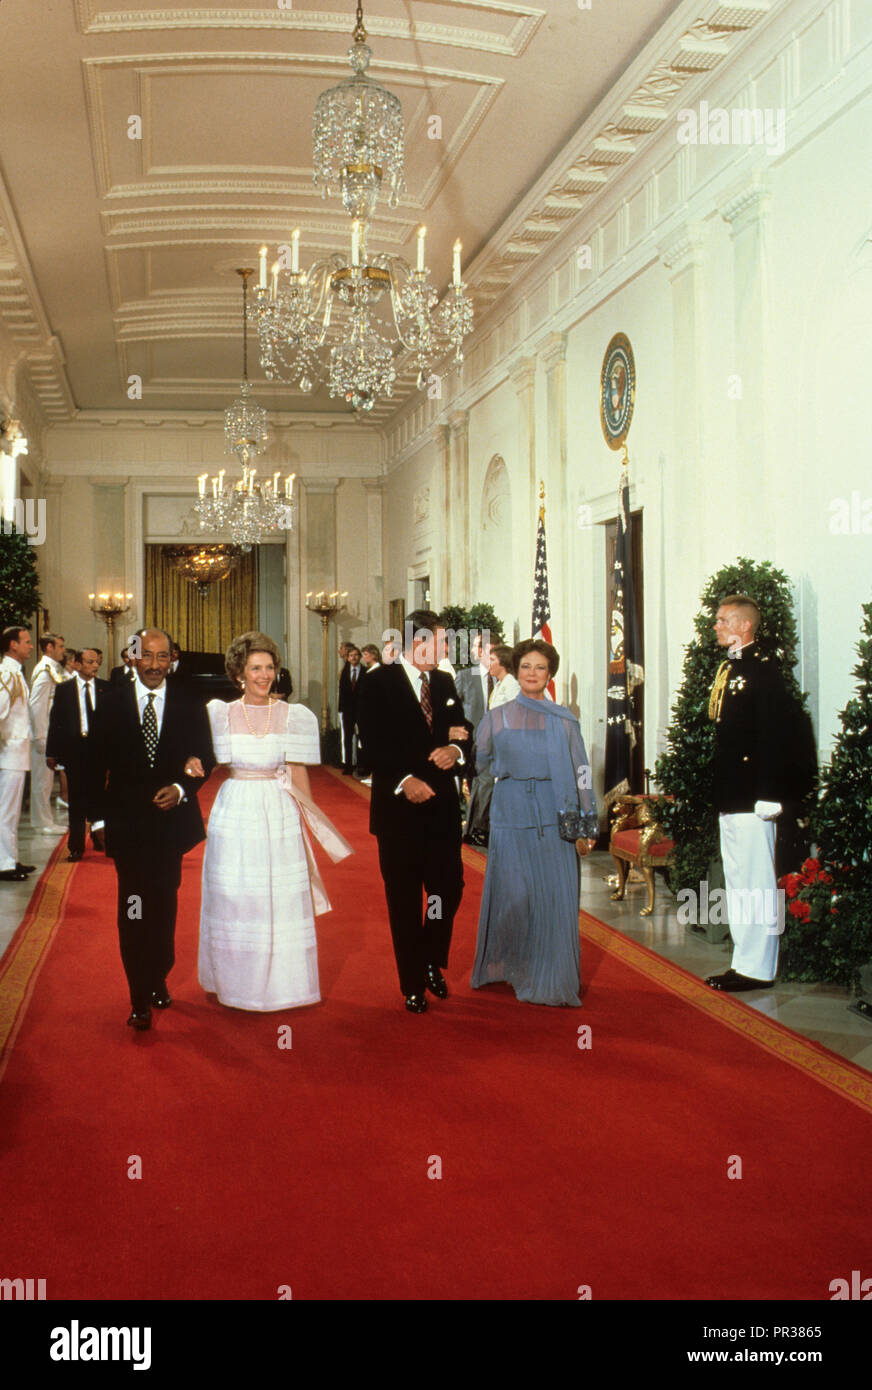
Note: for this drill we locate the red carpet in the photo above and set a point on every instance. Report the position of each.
(308, 1167)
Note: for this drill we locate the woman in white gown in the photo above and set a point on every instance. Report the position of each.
(261, 887)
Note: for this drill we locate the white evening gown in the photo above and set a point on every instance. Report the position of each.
(257, 927)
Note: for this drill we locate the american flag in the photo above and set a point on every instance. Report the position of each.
(541, 602)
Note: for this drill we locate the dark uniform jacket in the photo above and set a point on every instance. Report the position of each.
(761, 738)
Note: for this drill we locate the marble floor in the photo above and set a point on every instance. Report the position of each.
(819, 1012)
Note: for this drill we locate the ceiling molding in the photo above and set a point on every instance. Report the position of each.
(522, 21)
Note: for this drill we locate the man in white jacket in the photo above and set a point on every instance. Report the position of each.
(47, 674)
(15, 647)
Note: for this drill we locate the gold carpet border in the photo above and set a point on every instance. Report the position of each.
(827, 1067)
(28, 950)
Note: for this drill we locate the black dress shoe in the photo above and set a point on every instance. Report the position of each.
(416, 1003)
(74, 856)
(160, 998)
(13, 875)
(140, 1020)
(435, 982)
(25, 868)
(733, 983)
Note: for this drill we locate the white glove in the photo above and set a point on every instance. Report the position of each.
(767, 810)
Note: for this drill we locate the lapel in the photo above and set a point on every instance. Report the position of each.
(406, 694)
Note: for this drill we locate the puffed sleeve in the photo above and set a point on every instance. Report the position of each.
(219, 723)
(302, 743)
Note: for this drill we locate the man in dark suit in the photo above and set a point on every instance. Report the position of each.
(68, 738)
(409, 712)
(144, 780)
(475, 685)
(752, 781)
(349, 684)
(124, 672)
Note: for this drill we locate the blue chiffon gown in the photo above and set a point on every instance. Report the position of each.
(528, 925)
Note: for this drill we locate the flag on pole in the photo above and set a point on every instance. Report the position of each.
(541, 602)
(624, 670)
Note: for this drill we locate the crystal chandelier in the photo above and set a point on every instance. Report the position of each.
(203, 564)
(247, 509)
(343, 322)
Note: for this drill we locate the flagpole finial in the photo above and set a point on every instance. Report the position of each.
(541, 490)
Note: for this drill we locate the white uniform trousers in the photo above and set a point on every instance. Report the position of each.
(41, 783)
(748, 853)
(11, 793)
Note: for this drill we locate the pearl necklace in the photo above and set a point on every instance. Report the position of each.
(271, 702)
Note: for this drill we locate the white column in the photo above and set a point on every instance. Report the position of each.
(557, 521)
(745, 211)
(683, 255)
(458, 515)
(523, 378)
(376, 613)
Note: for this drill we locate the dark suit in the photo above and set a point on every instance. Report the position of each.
(67, 745)
(471, 692)
(120, 673)
(147, 844)
(419, 844)
(349, 688)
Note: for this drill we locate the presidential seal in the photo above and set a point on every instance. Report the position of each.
(617, 391)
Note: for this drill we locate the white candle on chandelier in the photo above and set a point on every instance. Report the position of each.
(251, 481)
(295, 250)
(289, 486)
(422, 232)
(221, 473)
(263, 267)
(275, 280)
(355, 242)
(308, 598)
(214, 489)
(202, 482)
(276, 483)
(457, 250)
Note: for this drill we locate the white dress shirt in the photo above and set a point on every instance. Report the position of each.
(142, 693)
(414, 676)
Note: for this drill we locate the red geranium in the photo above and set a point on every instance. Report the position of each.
(800, 910)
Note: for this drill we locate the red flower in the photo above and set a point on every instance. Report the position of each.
(800, 910)
(825, 878)
(811, 866)
(791, 883)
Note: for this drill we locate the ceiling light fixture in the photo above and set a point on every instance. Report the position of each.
(345, 320)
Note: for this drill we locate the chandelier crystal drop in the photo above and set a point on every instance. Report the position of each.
(246, 509)
(348, 322)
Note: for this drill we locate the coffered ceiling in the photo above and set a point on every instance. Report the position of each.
(118, 254)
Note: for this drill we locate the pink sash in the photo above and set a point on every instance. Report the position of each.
(311, 816)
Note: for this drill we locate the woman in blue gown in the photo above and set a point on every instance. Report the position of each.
(528, 925)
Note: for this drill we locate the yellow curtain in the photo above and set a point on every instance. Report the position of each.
(200, 624)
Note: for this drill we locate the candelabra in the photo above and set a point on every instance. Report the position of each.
(326, 605)
(109, 608)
